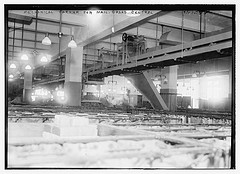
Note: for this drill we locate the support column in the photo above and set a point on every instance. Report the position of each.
(73, 76)
(143, 82)
(168, 89)
(27, 86)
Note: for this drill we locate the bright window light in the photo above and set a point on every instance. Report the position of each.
(41, 92)
(33, 98)
(60, 93)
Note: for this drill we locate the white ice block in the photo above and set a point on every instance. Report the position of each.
(79, 121)
(82, 114)
(68, 120)
(62, 120)
(84, 130)
(49, 135)
(47, 128)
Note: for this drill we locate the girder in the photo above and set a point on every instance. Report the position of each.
(174, 54)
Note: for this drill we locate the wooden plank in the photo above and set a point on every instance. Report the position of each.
(168, 129)
(201, 136)
(39, 140)
(173, 138)
(86, 160)
(31, 117)
(166, 124)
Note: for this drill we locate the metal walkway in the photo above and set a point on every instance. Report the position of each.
(207, 48)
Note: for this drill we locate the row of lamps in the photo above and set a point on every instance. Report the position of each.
(44, 59)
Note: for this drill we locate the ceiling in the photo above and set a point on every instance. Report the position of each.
(92, 30)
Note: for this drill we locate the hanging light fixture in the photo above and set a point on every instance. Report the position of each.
(24, 57)
(44, 59)
(13, 66)
(113, 30)
(72, 43)
(28, 67)
(46, 40)
(35, 52)
(11, 76)
(60, 34)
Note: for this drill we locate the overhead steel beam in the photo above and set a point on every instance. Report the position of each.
(122, 26)
(27, 20)
(30, 40)
(28, 47)
(147, 37)
(221, 41)
(177, 27)
(39, 31)
(219, 14)
(68, 24)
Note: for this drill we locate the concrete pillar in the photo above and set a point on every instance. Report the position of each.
(27, 86)
(169, 87)
(73, 76)
(144, 84)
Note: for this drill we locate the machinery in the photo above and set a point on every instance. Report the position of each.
(132, 45)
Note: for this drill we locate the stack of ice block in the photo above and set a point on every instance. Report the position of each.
(70, 126)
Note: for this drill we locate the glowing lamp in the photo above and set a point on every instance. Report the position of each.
(46, 40)
(194, 75)
(72, 43)
(24, 57)
(60, 93)
(10, 76)
(44, 59)
(13, 66)
(113, 30)
(28, 67)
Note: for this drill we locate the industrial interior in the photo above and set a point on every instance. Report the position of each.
(89, 87)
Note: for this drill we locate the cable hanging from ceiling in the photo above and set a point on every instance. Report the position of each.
(24, 56)
(60, 34)
(182, 33)
(13, 65)
(13, 37)
(46, 40)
